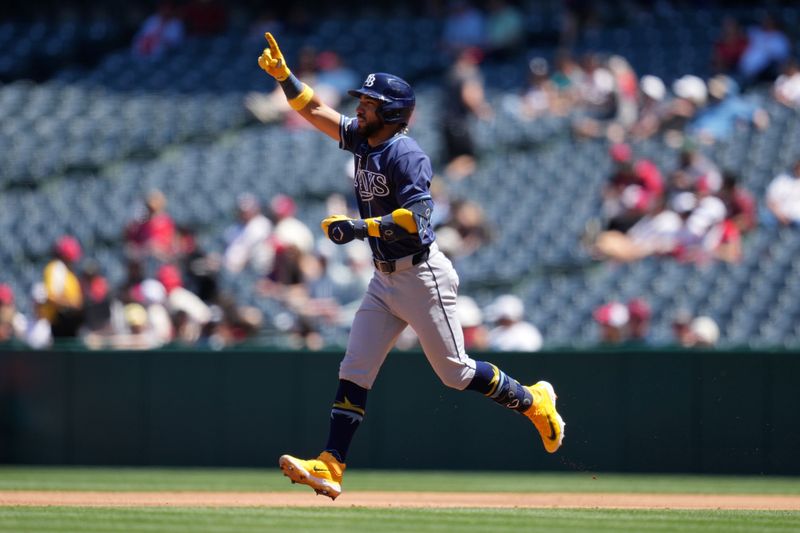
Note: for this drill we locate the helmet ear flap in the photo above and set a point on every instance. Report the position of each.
(388, 116)
(380, 114)
(397, 112)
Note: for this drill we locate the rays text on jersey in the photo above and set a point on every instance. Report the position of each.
(370, 184)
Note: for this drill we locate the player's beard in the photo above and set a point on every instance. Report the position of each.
(367, 129)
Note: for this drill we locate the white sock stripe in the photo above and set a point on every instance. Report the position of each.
(500, 384)
(349, 414)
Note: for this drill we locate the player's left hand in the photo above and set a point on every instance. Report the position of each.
(272, 61)
(342, 229)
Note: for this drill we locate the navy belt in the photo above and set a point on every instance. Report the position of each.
(396, 265)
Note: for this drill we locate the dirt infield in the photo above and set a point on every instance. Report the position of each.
(401, 500)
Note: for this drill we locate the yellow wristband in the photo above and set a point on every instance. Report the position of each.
(373, 226)
(301, 100)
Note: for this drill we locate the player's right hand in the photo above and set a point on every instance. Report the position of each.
(342, 229)
(272, 61)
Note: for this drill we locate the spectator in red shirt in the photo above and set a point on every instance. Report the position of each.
(12, 322)
(639, 315)
(205, 17)
(739, 203)
(729, 46)
(729, 246)
(632, 189)
(96, 299)
(152, 233)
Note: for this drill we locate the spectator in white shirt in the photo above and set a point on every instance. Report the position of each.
(783, 199)
(181, 300)
(511, 332)
(247, 239)
(787, 86)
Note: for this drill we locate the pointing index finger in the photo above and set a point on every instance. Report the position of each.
(273, 44)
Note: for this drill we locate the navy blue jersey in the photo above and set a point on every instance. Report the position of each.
(394, 174)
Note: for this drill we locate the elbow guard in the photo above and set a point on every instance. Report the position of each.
(403, 223)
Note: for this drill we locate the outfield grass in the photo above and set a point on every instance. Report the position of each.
(346, 520)
(331, 519)
(146, 479)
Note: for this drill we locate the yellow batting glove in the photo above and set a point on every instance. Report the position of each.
(325, 224)
(271, 60)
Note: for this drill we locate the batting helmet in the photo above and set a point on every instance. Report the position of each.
(395, 94)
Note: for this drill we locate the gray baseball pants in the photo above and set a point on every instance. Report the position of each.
(422, 296)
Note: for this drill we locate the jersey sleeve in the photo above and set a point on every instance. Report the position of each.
(412, 176)
(349, 138)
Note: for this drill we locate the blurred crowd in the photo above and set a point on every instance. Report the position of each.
(694, 211)
(172, 294)
(169, 296)
(627, 325)
(697, 214)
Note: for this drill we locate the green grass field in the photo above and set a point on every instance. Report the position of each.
(346, 520)
(329, 518)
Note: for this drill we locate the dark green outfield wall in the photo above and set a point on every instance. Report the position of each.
(643, 412)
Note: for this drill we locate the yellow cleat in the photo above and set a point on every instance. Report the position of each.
(544, 416)
(323, 474)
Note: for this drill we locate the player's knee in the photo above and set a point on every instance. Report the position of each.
(455, 377)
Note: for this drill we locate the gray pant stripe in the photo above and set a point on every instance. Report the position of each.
(441, 305)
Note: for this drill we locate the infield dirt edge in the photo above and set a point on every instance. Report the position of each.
(402, 500)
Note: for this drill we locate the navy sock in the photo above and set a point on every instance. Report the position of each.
(500, 387)
(346, 415)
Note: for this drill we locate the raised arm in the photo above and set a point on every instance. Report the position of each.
(301, 97)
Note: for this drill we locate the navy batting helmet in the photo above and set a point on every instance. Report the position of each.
(395, 94)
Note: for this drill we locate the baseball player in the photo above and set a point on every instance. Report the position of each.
(414, 283)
